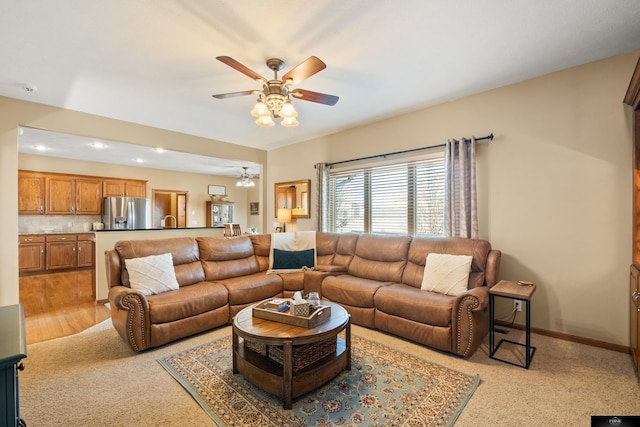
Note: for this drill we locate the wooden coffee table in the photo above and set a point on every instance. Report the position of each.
(280, 379)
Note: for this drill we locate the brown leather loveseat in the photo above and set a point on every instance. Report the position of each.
(377, 278)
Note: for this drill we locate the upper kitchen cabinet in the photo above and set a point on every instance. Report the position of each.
(126, 188)
(68, 195)
(88, 196)
(60, 192)
(31, 190)
(50, 193)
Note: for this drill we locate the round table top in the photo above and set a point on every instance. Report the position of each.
(271, 332)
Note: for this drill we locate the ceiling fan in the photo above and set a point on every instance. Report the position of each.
(274, 98)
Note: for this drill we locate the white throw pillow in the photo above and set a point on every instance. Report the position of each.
(152, 274)
(446, 274)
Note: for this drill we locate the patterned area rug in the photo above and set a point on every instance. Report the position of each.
(384, 388)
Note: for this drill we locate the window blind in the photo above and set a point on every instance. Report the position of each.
(405, 197)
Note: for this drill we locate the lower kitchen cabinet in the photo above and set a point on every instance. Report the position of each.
(31, 253)
(40, 254)
(61, 251)
(86, 249)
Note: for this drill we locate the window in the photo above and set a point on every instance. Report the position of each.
(406, 197)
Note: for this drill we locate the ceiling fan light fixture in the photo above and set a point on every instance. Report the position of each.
(273, 99)
(275, 102)
(289, 122)
(288, 111)
(260, 109)
(245, 179)
(265, 121)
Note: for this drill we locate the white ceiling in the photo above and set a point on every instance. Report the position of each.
(153, 61)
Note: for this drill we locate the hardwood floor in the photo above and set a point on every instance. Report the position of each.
(59, 304)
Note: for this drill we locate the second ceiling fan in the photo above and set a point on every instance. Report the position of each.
(273, 99)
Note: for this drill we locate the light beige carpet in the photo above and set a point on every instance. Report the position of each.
(94, 379)
(384, 387)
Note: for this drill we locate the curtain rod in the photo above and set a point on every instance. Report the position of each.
(488, 137)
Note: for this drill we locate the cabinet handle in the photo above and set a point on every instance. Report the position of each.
(28, 240)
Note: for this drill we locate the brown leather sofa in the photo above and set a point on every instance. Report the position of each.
(377, 278)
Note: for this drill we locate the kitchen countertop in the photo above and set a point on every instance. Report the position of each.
(160, 229)
(103, 231)
(44, 233)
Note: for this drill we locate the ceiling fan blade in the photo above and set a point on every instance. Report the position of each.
(303, 71)
(320, 98)
(234, 94)
(239, 67)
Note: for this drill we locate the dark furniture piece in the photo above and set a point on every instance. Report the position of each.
(506, 289)
(281, 379)
(632, 99)
(13, 349)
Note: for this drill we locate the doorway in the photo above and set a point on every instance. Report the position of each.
(169, 208)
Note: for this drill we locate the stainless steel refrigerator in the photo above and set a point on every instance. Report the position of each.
(126, 213)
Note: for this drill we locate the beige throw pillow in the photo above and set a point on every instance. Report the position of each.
(446, 274)
(152, 274)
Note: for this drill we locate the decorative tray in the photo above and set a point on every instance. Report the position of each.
(319, 315)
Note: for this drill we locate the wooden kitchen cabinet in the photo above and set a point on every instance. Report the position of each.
(31, 251)
(85, 250)
(88, 196)
(51, 193)
(31, 191)
(124, 187)
(113, 188)
(67, 195)
(60, 195)
(39, 253)
(135, 188)
(61, 251)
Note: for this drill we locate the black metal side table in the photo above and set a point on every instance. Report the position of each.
(13, 349)
(512, 290)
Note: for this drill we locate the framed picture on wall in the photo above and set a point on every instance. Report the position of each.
(254, 208)
(218, 190)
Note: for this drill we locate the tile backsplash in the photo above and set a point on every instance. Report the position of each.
(29, 224)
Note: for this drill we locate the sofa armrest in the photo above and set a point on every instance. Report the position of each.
(330, 268)
(470, 320)
(130, 316)
(113, 267)
(312, 281)
(492, 271)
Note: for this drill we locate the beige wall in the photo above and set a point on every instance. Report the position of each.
(14, 113)
(554, 186)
